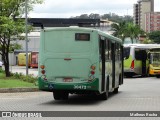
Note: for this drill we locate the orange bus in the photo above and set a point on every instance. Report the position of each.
(34, 60)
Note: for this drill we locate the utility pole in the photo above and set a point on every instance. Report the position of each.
(26, 37)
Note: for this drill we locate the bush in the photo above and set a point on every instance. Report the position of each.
(27, 78)
(30, 78)
(1, 70)
(17, 75)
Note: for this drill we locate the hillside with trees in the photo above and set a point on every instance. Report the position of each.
(110, 16)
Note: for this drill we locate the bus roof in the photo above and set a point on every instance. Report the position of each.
(143, 46)
(110, 37)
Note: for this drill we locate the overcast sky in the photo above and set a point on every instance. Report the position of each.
(68, 8)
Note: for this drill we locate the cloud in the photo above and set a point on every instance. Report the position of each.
(67, 8)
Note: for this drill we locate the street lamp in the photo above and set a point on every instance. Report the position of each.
(26, 37)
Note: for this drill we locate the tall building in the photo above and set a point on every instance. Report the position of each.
(152, 21)
(142, 7)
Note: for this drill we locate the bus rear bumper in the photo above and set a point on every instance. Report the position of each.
(154, 72)
(51, 86)
(129, 72)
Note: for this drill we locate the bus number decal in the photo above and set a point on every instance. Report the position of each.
(80, 87)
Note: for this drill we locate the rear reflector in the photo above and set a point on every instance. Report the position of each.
(67, 58)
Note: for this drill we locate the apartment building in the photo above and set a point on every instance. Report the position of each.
(142, 7)
(152, 21)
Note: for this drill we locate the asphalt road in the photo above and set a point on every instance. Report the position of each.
(136, 94)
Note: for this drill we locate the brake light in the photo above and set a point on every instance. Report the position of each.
(132, 65)
(92, 72)
(43, 71)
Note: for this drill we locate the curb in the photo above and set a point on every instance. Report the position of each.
(13, 90)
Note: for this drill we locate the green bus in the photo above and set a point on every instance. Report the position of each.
(74, 60)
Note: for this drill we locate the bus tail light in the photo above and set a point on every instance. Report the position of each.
(42, 66)
(93, 67)
(132, 65)
(92, 72)
(43, 71)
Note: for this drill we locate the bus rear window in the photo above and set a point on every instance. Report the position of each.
(82, 37)
(126, 53)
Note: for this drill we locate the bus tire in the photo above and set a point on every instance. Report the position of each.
(158, 76)
(65, 95)
(129, 75)
(57, 95)
(115, 90)
(120, 80)
(148, 75)
(104, 96)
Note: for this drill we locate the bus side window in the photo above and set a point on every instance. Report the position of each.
(107, 50)
(110, 54)
(140, 55)
(117, 52)
(100, 50)
(102, 39)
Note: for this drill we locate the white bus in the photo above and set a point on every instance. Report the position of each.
(136, 60)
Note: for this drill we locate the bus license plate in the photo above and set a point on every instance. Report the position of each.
(67, 80)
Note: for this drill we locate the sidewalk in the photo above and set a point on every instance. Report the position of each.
(13, 90)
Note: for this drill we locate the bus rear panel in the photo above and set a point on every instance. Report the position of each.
(68, 58)
(81, 61)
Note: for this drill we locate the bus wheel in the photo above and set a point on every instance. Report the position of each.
(104, 96)
(57, 95)
(158, 76)
(65, 95)
(129, 76)
(115, 90)
(148, 75)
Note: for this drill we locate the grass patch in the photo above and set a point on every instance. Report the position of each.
(13, 83)
(2, 75)
(17, 81)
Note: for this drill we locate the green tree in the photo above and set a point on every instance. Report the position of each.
(119, 30)
(123, 30)
(147, 41)
(133, 31)
(154, 36)
(11, 27)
